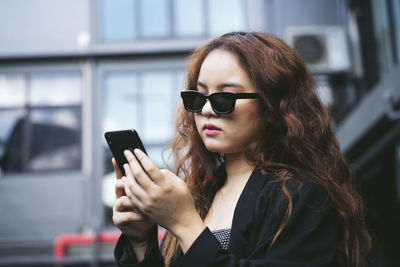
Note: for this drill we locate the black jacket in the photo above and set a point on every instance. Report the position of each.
(309, 238)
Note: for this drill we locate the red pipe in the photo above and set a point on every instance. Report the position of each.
(62, 241)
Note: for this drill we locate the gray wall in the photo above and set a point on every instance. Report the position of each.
(283, 13)
(41, 207)
(42, 26)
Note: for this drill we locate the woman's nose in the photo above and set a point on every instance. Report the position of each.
(207, 109)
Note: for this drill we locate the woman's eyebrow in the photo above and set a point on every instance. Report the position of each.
(202, 85)
(235, 85)
(222, 86)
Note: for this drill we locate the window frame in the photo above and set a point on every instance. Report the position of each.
(173, 64)
(129, 64)
(26, 69)
(98, 23)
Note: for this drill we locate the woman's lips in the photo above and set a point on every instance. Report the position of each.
(211, 129)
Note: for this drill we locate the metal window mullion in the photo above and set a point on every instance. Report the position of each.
(206, 19)
(245, 12)
(389, 9)
(11, 108)
(48, 107)
(138, 19)
(26, 132)
(140, 100)
(171, 14)
(95, 22)
(174, 98)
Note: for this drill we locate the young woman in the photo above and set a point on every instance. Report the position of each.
(265, 183)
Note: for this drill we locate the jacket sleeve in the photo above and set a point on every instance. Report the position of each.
(309, 238)
(125, 257)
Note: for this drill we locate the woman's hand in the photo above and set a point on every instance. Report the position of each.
(130, 220)
(162, 196)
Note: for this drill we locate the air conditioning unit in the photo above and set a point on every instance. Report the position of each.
(324, 48)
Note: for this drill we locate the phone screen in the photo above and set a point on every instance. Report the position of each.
(119, 141)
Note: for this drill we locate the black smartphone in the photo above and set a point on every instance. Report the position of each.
(119, 141)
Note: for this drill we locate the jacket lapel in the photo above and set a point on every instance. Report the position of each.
(242, 223)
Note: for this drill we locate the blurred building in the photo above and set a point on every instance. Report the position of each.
(72, 69)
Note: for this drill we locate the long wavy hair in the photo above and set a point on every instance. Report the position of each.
(295, 136)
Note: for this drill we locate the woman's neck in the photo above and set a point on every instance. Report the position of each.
(238, 168)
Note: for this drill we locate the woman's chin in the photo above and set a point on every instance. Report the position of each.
(218, 148)
(214, 148)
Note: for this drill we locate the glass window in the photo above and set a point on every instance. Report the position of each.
(129, 20)
(54, 139)
(117, 20)
(155, 20)
(189, 18)
(180, 83)
(12, 90)
(181, 79)
(41, 122)
(154, 153)
(143, 100)
(54, 89)
(11, 121)
(157, 106)
(121, 108)
(226, 16)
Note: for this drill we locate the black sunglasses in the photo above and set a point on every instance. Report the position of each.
(221, 102)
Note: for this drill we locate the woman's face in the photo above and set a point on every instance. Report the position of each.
(226, 133)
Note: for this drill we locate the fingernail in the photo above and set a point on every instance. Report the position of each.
(138, 152)
(127, 153)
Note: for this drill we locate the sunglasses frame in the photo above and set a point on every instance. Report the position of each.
(232, 95)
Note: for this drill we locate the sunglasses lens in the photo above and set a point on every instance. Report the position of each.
(222, 102)
(193, 101)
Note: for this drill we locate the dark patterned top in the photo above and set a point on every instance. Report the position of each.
(223, 236)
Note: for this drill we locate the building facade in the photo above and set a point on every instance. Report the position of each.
(72, 69)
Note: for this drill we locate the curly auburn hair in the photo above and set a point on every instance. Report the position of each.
(295, 136)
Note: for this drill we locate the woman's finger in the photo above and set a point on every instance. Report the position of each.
(119, 188)
(122, 204)
(125, 204)
(133, 191)
(134, 187)
(118, 172)
(120, 218)
(149, 167)
(136, 170)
